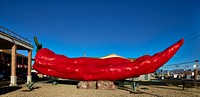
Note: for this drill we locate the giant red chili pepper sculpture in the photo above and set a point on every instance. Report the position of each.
(49, 63)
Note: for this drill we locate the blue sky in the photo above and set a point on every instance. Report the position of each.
(130, 28)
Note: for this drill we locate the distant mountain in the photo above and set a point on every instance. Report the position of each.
(176, 71)
(159, 71)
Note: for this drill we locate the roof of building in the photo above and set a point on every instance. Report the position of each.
(110, 56)
(115, 55)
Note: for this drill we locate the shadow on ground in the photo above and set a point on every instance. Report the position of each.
(179, 89)
(67, 82)
(137, 91)
(4, 90)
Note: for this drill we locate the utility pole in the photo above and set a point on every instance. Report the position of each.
(196, 72)
(84, 54)
(162, 72)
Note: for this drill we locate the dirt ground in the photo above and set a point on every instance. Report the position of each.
(42, 89)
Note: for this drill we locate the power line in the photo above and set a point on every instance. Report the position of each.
(194, 35)
(188, 36)
(181, 63)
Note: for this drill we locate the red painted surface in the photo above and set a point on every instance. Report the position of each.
(83, 68)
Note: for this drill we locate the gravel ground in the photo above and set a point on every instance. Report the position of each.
(67, 90)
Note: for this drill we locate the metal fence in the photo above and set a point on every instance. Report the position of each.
(15, 35)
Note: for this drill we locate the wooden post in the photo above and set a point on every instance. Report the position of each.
(13, 77)
(29, 77)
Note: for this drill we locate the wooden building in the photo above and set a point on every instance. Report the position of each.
(5, 64)
(12, 41)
